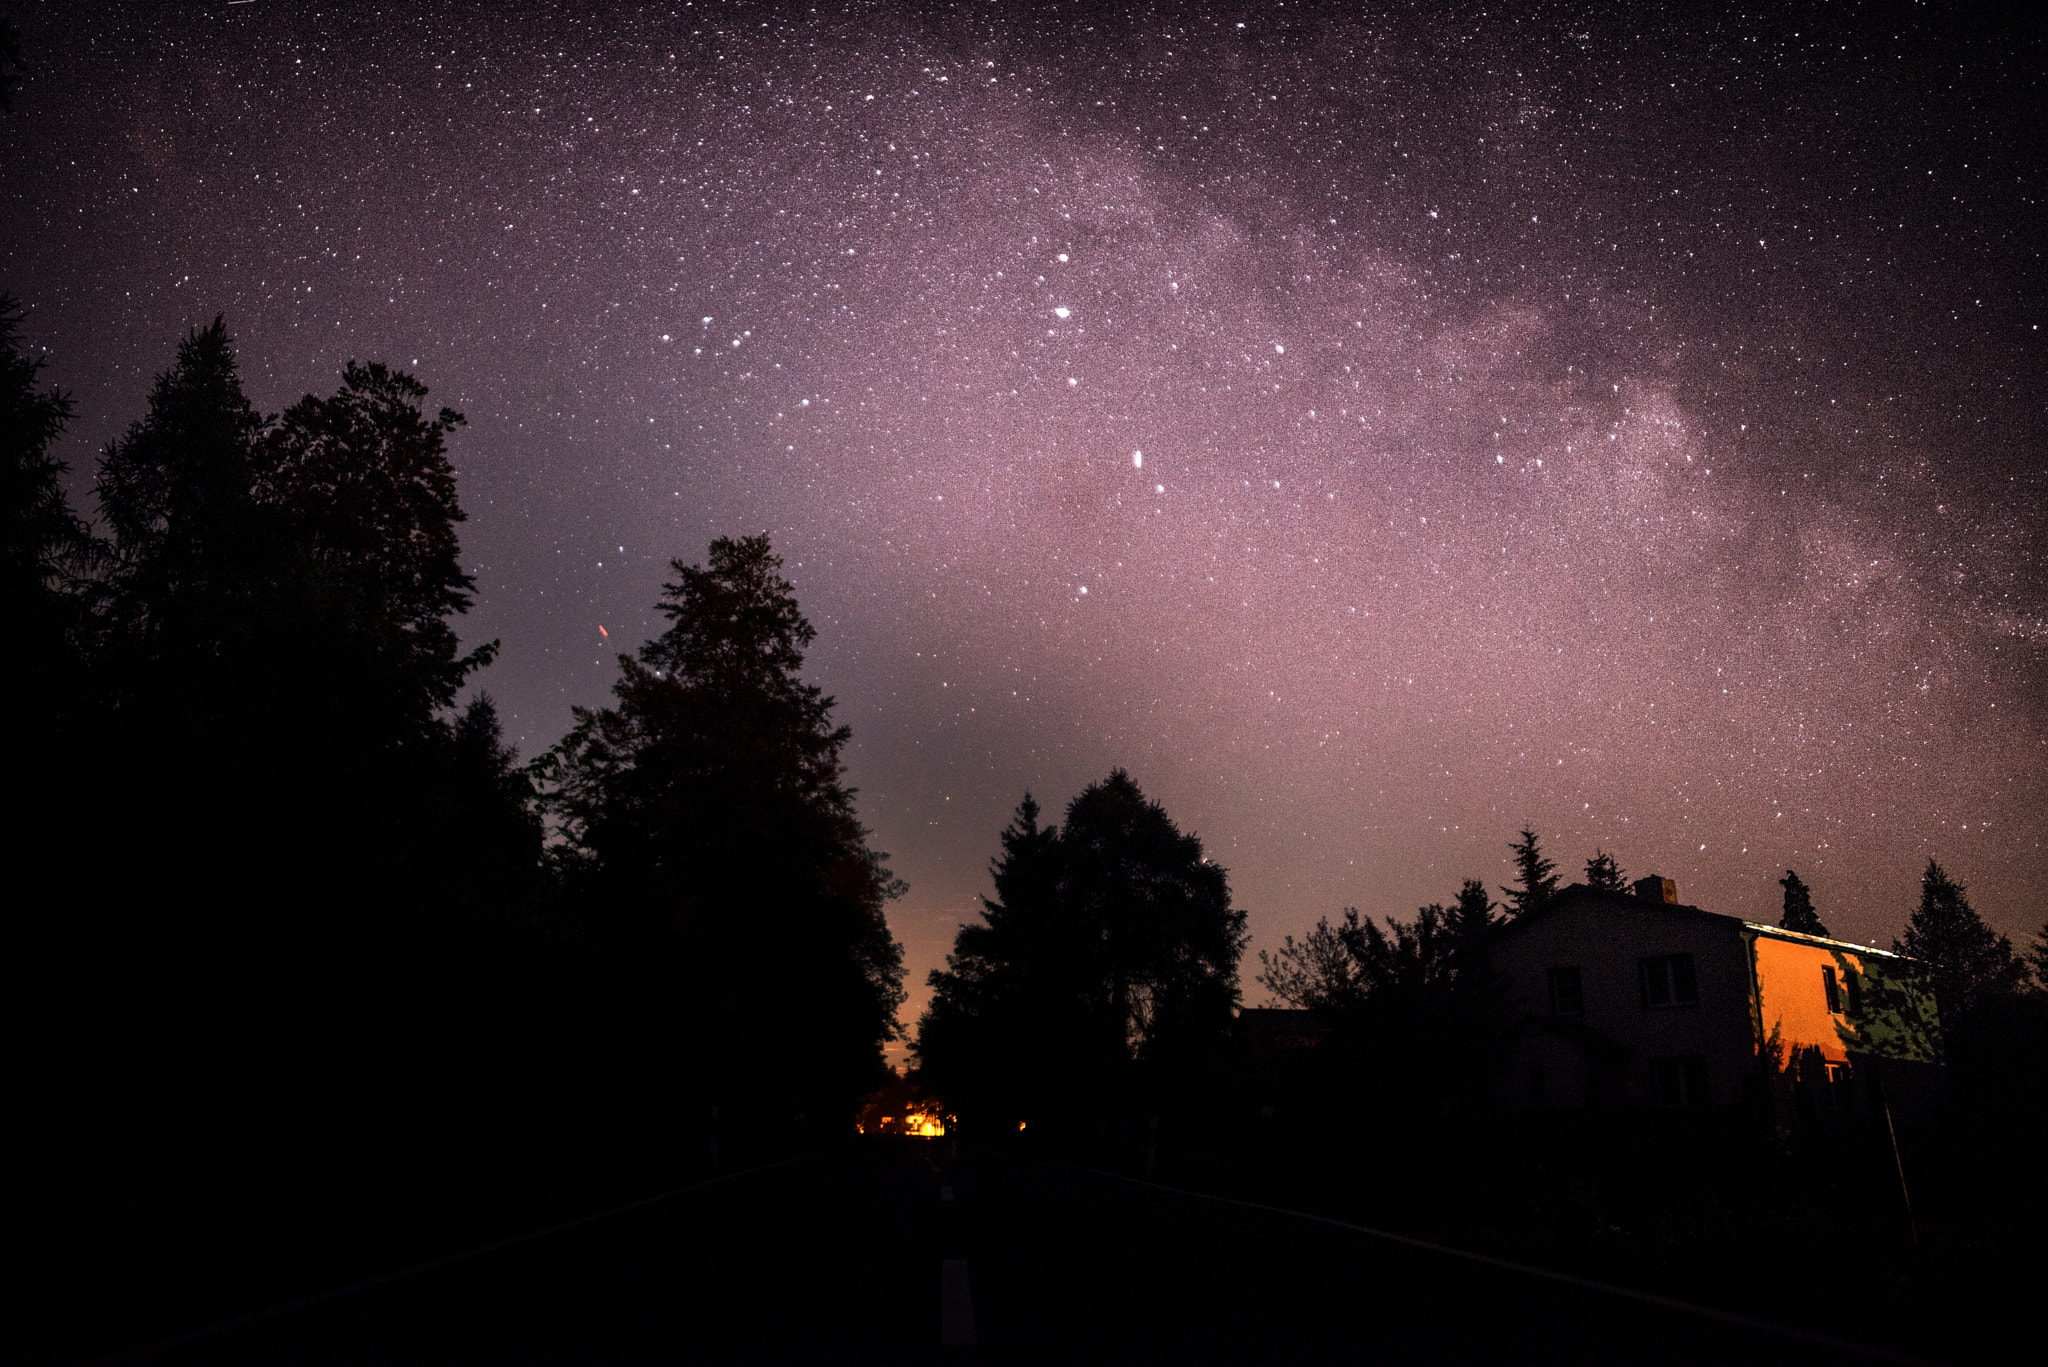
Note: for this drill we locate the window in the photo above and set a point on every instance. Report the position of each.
(1841, 1089)
(1668, 981)
(1680, 1081)
(1567, 996)
(1855, 993)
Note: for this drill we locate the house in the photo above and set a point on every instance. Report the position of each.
(1623, 999)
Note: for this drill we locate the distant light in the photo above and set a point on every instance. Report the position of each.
(1138, 459)
(1062, 312)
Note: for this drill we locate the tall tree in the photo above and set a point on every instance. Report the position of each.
(203, 601)
(1109, 954)
(1535, 877)
(44, 546)
(1170, 939)
(1604, 875)
(1000, 1034)
(366, 492)
(717, 852)
(1967, 960)
(1799, 913)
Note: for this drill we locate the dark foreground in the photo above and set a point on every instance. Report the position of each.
(902, 1250)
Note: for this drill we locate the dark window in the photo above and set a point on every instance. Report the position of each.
(1567, 996)
(1668, 981)
(1832, 988)
(1680, 1081)
(1841, 1089)
(1855, 993)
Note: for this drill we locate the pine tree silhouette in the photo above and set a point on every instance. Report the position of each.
(1799, 913)
(1536, 877)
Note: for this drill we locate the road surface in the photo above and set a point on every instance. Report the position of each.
(905, 1251)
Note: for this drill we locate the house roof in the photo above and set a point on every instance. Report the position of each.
(1825, 941)
(1579, 894)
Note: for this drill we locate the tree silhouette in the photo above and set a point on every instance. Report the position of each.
(714, 849)
(44, 547)
(1604, 875)
(193, 549)
(1002, 1027)
(1320, 974)
(1341, 967)
(1411, 1004)
(1536, 877)
(1170, 939)
(1108, 955)
(367, 494)
(1968, 962)
(1799, 913)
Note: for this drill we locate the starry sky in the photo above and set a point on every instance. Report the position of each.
(1374, 428)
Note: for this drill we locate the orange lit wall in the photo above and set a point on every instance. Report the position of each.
(1792, 1000)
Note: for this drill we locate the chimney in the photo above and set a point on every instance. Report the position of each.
(1657, 889)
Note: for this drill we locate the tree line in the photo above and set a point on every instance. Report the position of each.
(298, 943)
(1100, 979)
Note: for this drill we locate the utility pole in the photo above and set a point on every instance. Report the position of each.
(1898, 1163)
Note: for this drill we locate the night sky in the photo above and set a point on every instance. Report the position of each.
(1373, 432)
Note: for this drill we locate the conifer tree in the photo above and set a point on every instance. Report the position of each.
(1799, 913)
(1536, 877)
(710, 833)
(1604, 875)
(1968, 962)
(196, 558)
(44, 547)
(1109, 955)
(998, 1035)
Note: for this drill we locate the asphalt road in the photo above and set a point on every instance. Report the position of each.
(907, 1251)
